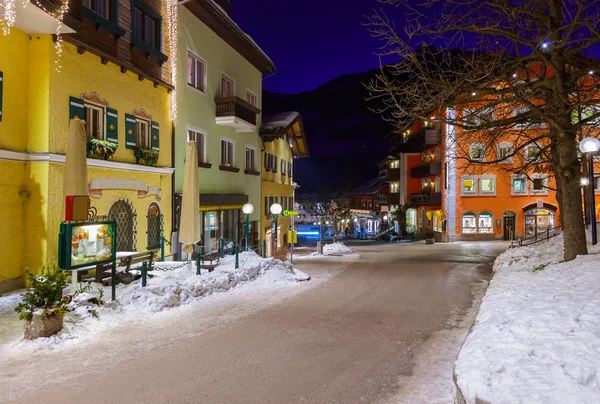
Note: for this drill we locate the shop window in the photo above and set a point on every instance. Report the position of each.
(411, 220)
(485, 223)
(469, 223)
(469, 185)
(196, 72)
(487, 185)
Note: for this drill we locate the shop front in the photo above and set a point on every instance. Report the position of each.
(538, 221)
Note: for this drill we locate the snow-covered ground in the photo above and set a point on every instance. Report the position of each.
(336, 248)
(164, 290)
(536, 338)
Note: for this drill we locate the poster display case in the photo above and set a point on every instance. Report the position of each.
(86, 243)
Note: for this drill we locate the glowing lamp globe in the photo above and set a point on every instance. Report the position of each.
(276, 209)
(585, 181)
(589, 145)
(248, 209)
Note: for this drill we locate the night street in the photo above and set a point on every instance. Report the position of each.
(385, 326)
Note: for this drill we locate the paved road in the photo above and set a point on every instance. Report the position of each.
(383, 328)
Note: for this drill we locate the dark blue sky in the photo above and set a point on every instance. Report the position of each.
(310, 41)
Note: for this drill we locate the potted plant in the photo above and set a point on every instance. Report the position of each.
(43, 306)
(146, 156)
(101, 149)
(429, 236)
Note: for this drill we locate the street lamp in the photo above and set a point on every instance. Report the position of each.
(589, 146)
(247, 209)
(275, 211)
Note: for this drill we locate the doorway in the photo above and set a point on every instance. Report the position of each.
(122, 212)
(509, 226)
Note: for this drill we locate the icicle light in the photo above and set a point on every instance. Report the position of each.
(10, 16)
(172, 30)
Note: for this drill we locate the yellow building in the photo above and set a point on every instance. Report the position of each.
(283, 140)
(118, 84)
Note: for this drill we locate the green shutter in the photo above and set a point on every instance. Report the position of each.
(112, 125)
(1, 84)
(130, 139)
(155, 141)
(76, 109)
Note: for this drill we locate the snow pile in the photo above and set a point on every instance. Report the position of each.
(336, 248)
(168, 289)
(536, 338)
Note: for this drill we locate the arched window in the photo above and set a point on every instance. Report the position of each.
(411, 220)
(122, 212)
(485, 223)
(437, 187)
(154, 221)
(469, 223)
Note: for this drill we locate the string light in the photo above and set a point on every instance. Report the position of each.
(172, 30)
(10, 16)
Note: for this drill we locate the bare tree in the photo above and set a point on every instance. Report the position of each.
(335, 211)
(514, 71)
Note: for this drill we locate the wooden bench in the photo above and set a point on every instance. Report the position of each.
(103, 272)
(208, 261)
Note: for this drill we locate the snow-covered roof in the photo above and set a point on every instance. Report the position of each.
(286, 125)
(278, 123)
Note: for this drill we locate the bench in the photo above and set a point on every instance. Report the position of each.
(103, 271)
(207, 261)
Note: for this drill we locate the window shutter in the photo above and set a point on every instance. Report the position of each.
(112, 125)
(1, 84)
(76, 109)
(155, 142)
(130, 138)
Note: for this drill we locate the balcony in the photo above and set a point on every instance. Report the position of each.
(423, 139)
(393, 199)
(35, 20)
(426, 170)
(236, 113)
(426, 199)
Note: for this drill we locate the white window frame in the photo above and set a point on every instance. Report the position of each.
(253, 94)
(227, 139)
(487, 213)
(102, 109)
(462, 217)
(532, 146)
(473, 146)
(189, 129)
(544, 178)
(475, 191)
(505, 145)
(253, 168)
(525, 188)
(197, 59)
(233, 84)
(148, 133)
(487, 177)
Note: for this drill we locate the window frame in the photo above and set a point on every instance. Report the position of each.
(253, 165)
(227, 163)
(531, 146)
(475, 180)
(544, 190)
(202, 132)
(146, 11)
(251, 94)
(477, 146)
(197, 59)
(148, 134)
(102, 109)
(487, 177)
(230, 79)
(510, 147)
(283, 167)
(525, 185)
(111, 9)
(462, 222)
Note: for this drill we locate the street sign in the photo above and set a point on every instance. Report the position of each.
(290, 213)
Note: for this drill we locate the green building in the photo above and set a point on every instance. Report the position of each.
(219, 86)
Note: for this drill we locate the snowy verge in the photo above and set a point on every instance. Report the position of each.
(166, 290)
(536, 338)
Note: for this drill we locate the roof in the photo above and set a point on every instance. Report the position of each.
(217, 19)
(286, 125)
(369, 188)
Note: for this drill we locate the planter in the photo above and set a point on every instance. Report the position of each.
(47, 327)
(429, 241)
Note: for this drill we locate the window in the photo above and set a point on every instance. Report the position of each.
(487, 183)
(370, 204)
(227, 87)
(94, 118)
(436, 156)
(227, 153)
(283, 165)
(539, 184)
(142, 133)
(274, 163)
(469, 223)
(200, 139)
(424, 185)
(437, 187)
(105, 8)
(284, 203)
(146, 25)
(289, 169)
(477, 152)
(505, 152)
(267, 161)
(532, 153)
(485, 223)
(250, 159)
(250, 98)
(519, 185)
(469, 185)
(364, 203)
(196, 72)
(476, 117)
(394, 187)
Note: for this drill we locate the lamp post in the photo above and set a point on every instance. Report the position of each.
(385, 219)
(275, 211)
(590, 146)
(585, 181)
(248, 209)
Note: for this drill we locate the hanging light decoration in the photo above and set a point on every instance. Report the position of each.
(10, 16)
(172, 30)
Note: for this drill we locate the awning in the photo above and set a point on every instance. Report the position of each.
(219, 207)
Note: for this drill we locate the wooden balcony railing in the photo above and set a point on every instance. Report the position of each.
(236, 107)
(426, 170)
(426, 199)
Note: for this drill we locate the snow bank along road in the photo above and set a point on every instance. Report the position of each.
(382, 328)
